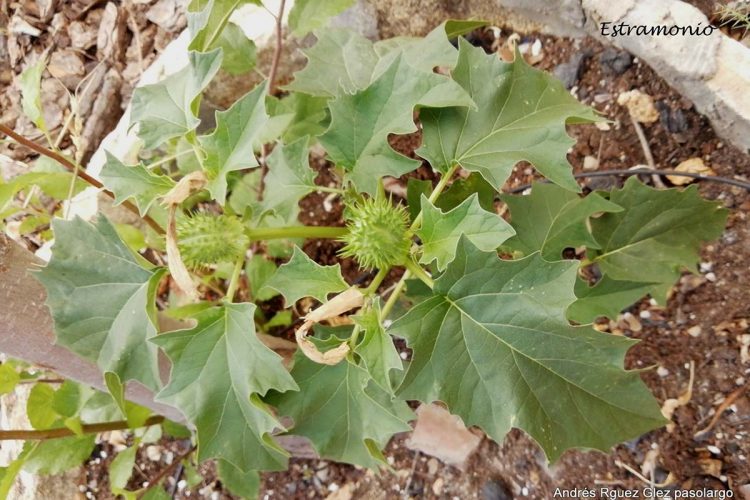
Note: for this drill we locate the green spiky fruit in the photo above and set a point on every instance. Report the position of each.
(378, 234)
(205, 239)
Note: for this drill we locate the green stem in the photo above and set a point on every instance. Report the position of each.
(275, 233)
(420, 273)
(169, 158)
(59, 432)
(234, 281)
(376, 281)
(436, 192)
(394, 296)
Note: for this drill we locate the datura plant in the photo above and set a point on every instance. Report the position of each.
(496, 311)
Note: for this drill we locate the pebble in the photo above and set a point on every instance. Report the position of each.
(153, 453)
(437, 486)
(569, 72)
(695, 331)
(322, 474)
(590, 163)
(662, 372)
(615, 62)
(432, 466)
(711, 277)
(713, 449)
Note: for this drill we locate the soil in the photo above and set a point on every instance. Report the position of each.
(704, 324)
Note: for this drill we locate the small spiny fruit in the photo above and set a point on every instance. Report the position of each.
(205, 239)
(378, 234)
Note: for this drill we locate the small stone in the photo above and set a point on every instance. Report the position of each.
(569, 72)
(437, 486)
(432, 466)
(153, 453)
(711, 277)
(496, 490)
(615, 62)
(640, 105)
(695, 331)
(662, 372)
(590, 163)
(689, 166)
(713, 449)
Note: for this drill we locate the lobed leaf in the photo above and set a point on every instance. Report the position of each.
(288, 180)
(165, 110)
(136, 182)
(303, 277)
(441, 231)
(520, 115)
(377, 353)
(656, 236)
(232, 144)
(606, 298)
(339, 408)
(493, 343)
(552, 219)
(102, 299)
(220, 369)
(357, 138)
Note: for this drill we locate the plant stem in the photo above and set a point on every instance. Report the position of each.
(235, 279)
(60, 432)
(167, 159)
(420, 273)
(79, 172)
(376, 281)
(275, 233)
(435, 193)
(412, 267)
(277, 50)
(394, 296)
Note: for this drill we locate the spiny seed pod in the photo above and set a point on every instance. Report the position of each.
(205, 239)
(378, 234)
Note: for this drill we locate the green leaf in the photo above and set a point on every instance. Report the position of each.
(309, 15)
(55, 456)
(259, 270)
(423, 53)
(461, 189)
(220, 369)
(208, 20)
(121, 469)
(493, 343)
(376, 349)
(69, 399)
(607, 298)
(238, 49)
(135, 182)
(39, 409)
(288, 180)
(552, 219)
(303, 277)
(357, 138)
(31, 93)
(341, 62)
(8, 474)
(281, 318)
(658, 233)
(9, 378)
(102, 300)
(458, 27)
(307, 115)
(232, 144)
(165, 110)
(245, 484)
(440, 232)
(136, 415)
(521, 115)
(346, 416)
